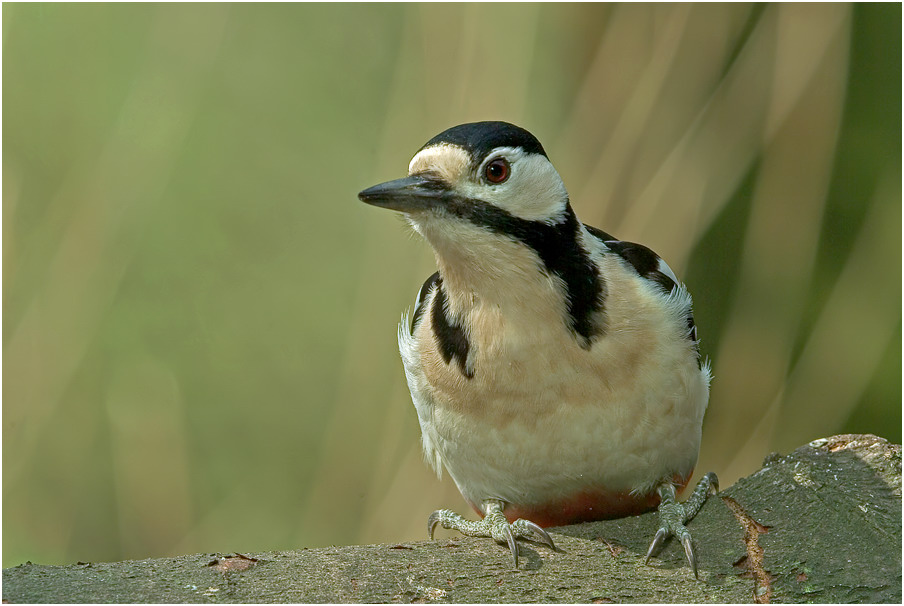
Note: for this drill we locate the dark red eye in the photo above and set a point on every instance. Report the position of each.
(497, 170)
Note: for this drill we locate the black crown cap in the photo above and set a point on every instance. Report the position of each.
(480, 138)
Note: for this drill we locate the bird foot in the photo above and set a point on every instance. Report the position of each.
(674, 515)
(494, 525)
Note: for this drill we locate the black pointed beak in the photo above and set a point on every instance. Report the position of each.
(412, 193)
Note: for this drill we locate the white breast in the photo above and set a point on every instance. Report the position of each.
(543, 418)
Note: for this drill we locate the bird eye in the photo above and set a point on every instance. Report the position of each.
(497, 170)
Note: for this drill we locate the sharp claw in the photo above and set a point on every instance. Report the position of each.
(432, 521)
(689, 552)
(713, 482)
(493, 525)
(513, 545)
(542, 535)
(656, 545)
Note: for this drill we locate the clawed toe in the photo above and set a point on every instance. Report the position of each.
(494, 525)
(512, 543)
(525, 529)
(435, 518)
(673, 526)
(674, 515)
(689, 553)
(658, 542)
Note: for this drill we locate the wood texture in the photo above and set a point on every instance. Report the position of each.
(822, 524)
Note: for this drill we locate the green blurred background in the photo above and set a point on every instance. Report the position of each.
(199, 317)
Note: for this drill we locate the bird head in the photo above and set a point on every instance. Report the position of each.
(473, 178)
(489, 202)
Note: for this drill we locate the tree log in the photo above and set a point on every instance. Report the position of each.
(822, 524)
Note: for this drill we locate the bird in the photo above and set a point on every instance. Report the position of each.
(555, 369)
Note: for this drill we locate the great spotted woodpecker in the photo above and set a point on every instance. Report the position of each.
(554, 368)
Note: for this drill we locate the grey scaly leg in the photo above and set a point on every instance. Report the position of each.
(674, 515)
(494, 525)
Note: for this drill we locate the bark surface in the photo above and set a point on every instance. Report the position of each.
(822, 524)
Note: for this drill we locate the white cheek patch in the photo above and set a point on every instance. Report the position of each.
(534, 191)
(449, 162)
(537, 190)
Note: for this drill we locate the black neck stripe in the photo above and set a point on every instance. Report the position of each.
(560, 252)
